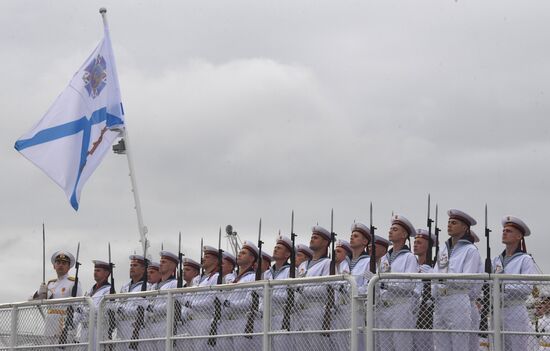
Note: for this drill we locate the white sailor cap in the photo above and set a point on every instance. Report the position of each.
(154, 265)
(462, 216)
(228, 256)
(170, 256)
(139, 258)
(64, 256)
(285, 241)
(518, 223)
(474, 236)
(544, 291)
(423, 233)
(344, 244)
(361, 228)
(250, 246)
(101, 264)
(317, 229)
(266, 256)
(382, 241)
(191, 263)
(305, 250)
(210, 250)
(405, 223)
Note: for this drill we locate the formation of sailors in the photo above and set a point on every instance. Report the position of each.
(446, 305)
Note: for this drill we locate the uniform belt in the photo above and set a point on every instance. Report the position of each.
(56, 311)
(450, 291)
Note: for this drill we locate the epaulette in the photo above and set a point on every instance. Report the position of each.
(52, 281)
(71, 278)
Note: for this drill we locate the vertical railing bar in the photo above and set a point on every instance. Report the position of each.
(169, 322)
(369, 310)
(497, 342)
(266, 317)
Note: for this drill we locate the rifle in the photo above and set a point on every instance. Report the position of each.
(201, 271)
(140, 319)
(69, 322)
(110, 312)
(486, 302)
(255, 304)
(425, 314)
(437, 230)
(180, 265)
(217, 301)
(331, 304)
(289, 305)
(373, 245)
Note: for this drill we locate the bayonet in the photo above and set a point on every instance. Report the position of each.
(201, 271)
(437, 230)
(332, 241)
(429, 222)
(373, 244)
(292, 272)
(260, 243)
(180, 264)
(220, 258)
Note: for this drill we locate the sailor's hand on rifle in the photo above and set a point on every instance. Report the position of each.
(43, 291)
(426, 268)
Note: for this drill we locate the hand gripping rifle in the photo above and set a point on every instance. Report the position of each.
(110, 312)
(425, 314)
(255, 304)
(217, 301)
(69, 318)
(330, 305)
(373, 245)
(486, 303)
(139, 323)
(289, 305)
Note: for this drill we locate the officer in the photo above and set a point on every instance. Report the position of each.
(130, 312)
(61, 287)
(457, 255)
(396, 299)
(515, 260)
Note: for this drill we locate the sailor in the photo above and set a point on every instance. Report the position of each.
(266, 263)
(130, 312)
(313, 298)
(303, 254)
(359, 263)
(543, 314)
(396, 299)
(245, 304)
(191, 269)
(343, 251)
(457, 255)
(101, 288)
(228, 267)
(382, 245)
(281, 256)
(153, 275)
(515, 260)
(61, 287)
(423, 341)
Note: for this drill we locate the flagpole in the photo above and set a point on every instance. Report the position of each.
(124, 135)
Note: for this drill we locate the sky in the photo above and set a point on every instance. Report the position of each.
(244, 110)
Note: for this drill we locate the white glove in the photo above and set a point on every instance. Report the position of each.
(43, 291)
(425, 268)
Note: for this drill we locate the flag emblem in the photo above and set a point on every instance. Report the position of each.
(95, 76)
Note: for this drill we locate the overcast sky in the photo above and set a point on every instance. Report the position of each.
(245, 109)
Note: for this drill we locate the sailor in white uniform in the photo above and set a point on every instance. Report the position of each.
(130, 314)
(153, 275)
(515, 260)
(456, 255)
(279, 297)
(341, 319)
(60, 287)
(191, 269)
(343, 251)
(396, 299)
(359, 263)
(101, 288)
(543, 315)
(313, 298)
(228, 267)
(245, 305)
(424, 307)
(303, 254)
(266, 264)
(382, 246)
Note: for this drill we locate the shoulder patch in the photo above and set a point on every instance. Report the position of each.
(71, 278)
(52, 280)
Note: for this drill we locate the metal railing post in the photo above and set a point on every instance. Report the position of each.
(266, 342)
(497, 342)
(13, 327)
(354, 332)
(369, 310)
(92, 318)
(169, 322)
(99, 323)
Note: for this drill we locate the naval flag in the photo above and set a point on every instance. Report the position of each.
(74, 135)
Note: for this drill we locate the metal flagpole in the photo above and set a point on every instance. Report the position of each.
(123, 147)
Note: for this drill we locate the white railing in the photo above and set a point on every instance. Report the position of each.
(399, 311)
